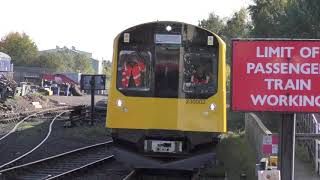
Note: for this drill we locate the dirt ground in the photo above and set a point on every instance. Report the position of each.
(76, 100)
(24, 103)
(62, 139)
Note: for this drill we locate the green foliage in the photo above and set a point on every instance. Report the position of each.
(236, 26)
(214, 23)
(65, 60)
(285, 18)
(107, 70)
(82, 64)
(24, 52)
(302, 19)
(52, 61)
(267, 17)
(237, 156)
(20, 48)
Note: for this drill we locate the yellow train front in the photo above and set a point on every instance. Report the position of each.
(167, 96)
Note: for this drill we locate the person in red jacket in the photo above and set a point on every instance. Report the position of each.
(200, 77)
(134, 68)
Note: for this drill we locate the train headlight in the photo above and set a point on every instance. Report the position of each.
(168, 28)
(212, 107)
(119, 103)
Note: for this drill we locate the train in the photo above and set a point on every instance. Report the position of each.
(167, 96)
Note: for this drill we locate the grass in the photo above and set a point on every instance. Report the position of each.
(237, 156)
(86, 131)
(27, 125)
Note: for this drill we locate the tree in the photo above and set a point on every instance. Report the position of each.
(65, 60)
(227, 28)
(107, 70)
(20, 47)
(82, 63)
(214, 23)
(267, 17)
(236, 26)
(52, 61)
(285, 18)
(302, 19)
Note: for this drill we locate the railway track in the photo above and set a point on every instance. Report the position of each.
(16, 119)
(161, 174)
(172, 174)
(11, 162)
(61, 165)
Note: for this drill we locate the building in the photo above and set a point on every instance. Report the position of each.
(30, 74)
(6, 67)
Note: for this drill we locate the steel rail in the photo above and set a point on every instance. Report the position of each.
(130, 175)
(67, 166)
(29, 116)
(42, 142)
(82, 167)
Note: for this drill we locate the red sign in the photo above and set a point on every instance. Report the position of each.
(276, 75)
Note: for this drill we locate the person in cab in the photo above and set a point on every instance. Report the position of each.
(200, 76)
(132, 68)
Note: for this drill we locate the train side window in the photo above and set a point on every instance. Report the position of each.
(200, 73)
(134, 70)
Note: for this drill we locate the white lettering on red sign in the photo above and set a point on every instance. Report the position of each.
(276, 75)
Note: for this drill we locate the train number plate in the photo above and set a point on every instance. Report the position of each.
(163, 146)
(195, 101)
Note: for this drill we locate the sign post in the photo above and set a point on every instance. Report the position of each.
(287, 147)
(277, 75)
(92, 83)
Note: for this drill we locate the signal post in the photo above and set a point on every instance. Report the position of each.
(277, 75)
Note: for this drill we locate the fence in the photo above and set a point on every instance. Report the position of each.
(308, 123)
(256, 132)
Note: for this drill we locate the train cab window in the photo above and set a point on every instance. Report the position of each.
(167, 71)
(200, 73)
(134, 70)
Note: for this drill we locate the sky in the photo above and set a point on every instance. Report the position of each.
(91, 25)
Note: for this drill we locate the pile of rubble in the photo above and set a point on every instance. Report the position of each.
(6, 107)
(7, 87)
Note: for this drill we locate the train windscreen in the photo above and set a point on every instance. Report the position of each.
(153, 62)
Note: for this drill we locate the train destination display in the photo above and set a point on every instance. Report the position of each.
(276, 75)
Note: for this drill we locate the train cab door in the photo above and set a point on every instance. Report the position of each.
(167, 71)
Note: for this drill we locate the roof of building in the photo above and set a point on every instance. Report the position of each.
(4, 56)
